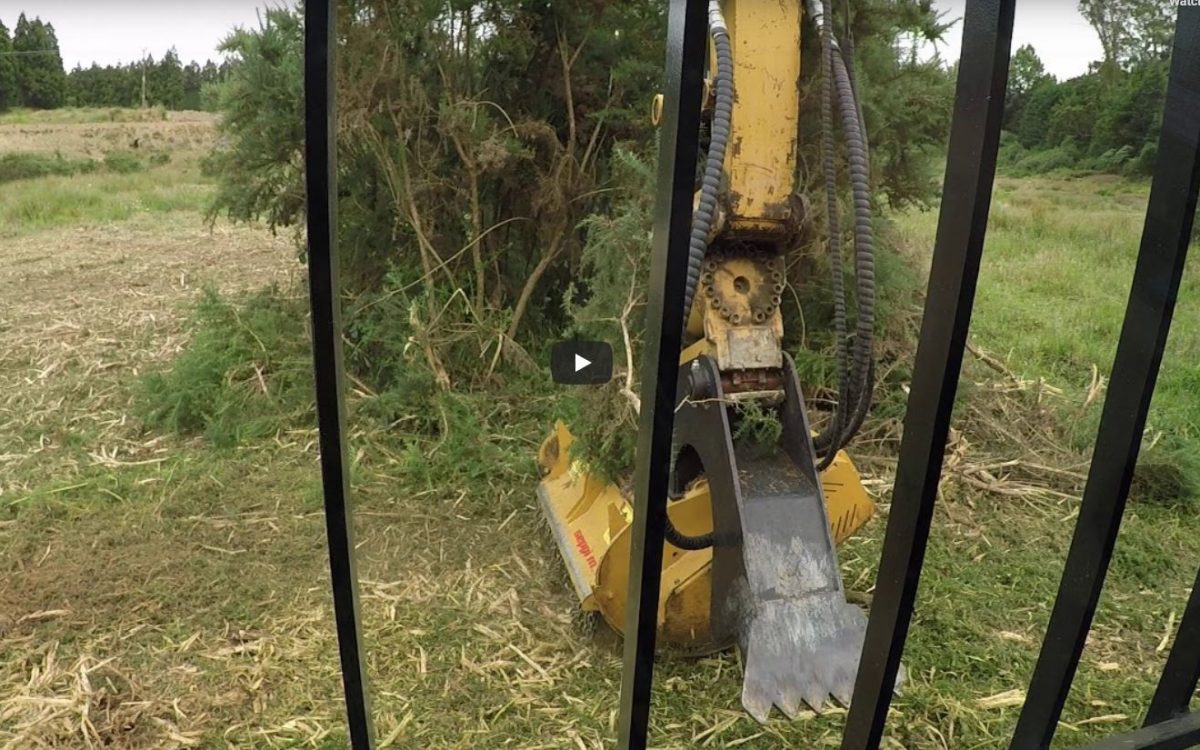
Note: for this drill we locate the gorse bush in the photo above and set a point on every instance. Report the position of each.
(496, 167)
(27, 166)
(1048, 160)
(246, 372)
(123, 162)
(478, 144)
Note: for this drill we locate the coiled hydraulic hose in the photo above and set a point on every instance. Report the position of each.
(706, 209)
(714, 165)
(832, 432)
(856, 379)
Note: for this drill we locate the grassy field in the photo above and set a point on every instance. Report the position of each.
(164, 591)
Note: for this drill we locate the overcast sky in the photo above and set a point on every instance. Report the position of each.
(1061, 37)
(111, 31)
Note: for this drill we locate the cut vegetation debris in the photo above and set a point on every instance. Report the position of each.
(158, 590)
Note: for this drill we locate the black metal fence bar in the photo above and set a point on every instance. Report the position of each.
(1182, 671)
(320, 161)
(687, 44)
(1176, 734)
(962, 223)
(1165, 237)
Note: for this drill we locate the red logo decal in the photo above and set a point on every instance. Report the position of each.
(585, 549)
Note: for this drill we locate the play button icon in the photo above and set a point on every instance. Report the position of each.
(579, 362)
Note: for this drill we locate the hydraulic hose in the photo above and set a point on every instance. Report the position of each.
(856, 379)
(706, 209)
(714, 165)
(839, 97)
(685, 542)
(831, 434)
(864, 239)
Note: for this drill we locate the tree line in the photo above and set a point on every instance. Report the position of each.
(32, 75)
(1107, 119)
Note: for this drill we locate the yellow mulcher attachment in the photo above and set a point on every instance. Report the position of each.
(750, 559)
(591, 521)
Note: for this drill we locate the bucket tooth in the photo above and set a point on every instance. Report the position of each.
(777, 587)
(800, 651)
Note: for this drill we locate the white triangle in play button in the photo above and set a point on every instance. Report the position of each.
(581, 362)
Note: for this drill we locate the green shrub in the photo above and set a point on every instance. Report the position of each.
(122, 162)
(27, 166)
(245, 373)
(1112, 160)
(1143, 164)
(1048, 160)
(1011, 150)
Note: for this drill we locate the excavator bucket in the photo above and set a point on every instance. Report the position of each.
(770, 584)
(777, 588)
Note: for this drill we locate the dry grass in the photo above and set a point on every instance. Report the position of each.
(83, 311)
(182, 132)
(156, 593)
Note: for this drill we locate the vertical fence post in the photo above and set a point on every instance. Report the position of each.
(962, 223)
(687, 39)
(1165, 237)
(320, 161)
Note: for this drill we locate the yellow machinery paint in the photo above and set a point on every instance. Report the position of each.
(761, 159)
(735, 330)
(591, 520)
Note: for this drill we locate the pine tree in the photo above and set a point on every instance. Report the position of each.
(165, 81)
(41, 80)
(8, 71)
(191, 86)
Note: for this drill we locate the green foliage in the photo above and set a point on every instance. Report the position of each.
(123, 162)
(1025, 73)
(1112, 160)
(9, 94)
(608, 304)
(605, 427)
(39, 69)
(35, 77)
(471, 163)
(1130, 31)
(246, 372)
(1050, 302)
(26, 166)
(486, 204)
(32, 165)
(164, 82)
(757, 425)
(906, 102)
(259, 168)
(1143, 165)
(1088, 123)
(1045, 161)
(169, 84)
(1131, 111)
(616, 254)
(1108, 116)
(55, 201)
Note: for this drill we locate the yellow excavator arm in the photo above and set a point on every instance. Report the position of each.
(750, 559)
